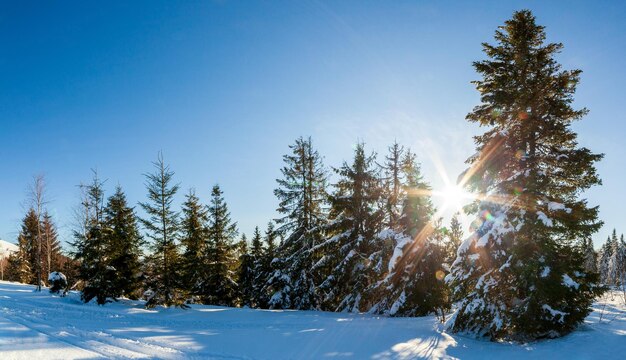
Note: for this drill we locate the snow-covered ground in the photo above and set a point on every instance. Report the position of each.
(40, 325)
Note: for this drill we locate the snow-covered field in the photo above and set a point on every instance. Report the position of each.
(40, 325)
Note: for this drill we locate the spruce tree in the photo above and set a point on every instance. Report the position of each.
(123, 246)
(266, 266)
(220, 287)
(302, 197)
(412, 283)
(19, 266)
(194, 238)
(162, 225)
(51, 246)
(604, 256)
(356, 217)
(245, 274)
(27, 241)
(590, 264)
(455, 237)
(91, 248)
(520, 275)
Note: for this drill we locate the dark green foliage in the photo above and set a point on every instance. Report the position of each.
(411, 283)
(91, 247)
(123, 246)
(455, 237)
(302, 195)
(162, 225)
(194, 238)
(245, 274)
(219, 285)
(356, 218)
(521, 276)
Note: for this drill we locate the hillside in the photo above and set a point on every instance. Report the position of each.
(6, 248)
(34, 325)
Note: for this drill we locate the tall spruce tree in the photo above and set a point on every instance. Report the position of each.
(220, 287)
(245, 274)
(519, 276)
(194, 238)
(123, 246)
(258, 297)
(19, 266)
(412, 283)
(91, 248)
(27, 240)
(604, 257)
(51, 245)
(356, 218)
(302, 197)
(162, 225)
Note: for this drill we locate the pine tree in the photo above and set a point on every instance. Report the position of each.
(123, 246)
(520, 275)
(19, 266)
(162, 225)
(604, 256)
(27, 241)
(265, 267)
(245, 274)
(356, 218)
(302, 196)
(91, 248)
(590, 256)
(220, 287)
(50, 245)
(195, 237)
(616, 269)
(455, 237)
(412, 284)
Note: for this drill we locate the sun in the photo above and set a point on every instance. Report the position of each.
(455, 197)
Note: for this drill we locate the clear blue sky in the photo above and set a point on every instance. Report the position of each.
(224, 87)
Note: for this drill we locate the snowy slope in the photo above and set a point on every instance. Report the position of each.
(39, 325)
(6, 248)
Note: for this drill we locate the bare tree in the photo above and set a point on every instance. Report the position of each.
(37, 198)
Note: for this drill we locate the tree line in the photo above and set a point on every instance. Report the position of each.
(370, 242)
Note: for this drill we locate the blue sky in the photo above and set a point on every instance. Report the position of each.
(222, 88)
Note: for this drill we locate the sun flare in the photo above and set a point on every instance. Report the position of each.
(455, 197)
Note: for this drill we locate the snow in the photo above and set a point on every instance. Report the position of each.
(6, 249)
(38, 325)
(544, 218)
(568, 281)
(55, 275)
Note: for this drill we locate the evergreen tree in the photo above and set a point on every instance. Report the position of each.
(220, 287)
(519, 276)
(590, 256)
(356, 218)
(162, 225)
(616, 272)
(50, 245)
(412, 284)
(19, 267)
(302, 195)
(455, 237)
(195, 237)
(91, 248)
(265, 267)
(245, 274)
(27, 241)
(604, 256)
(123, 246)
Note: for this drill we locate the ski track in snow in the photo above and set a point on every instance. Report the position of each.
(39, 325)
